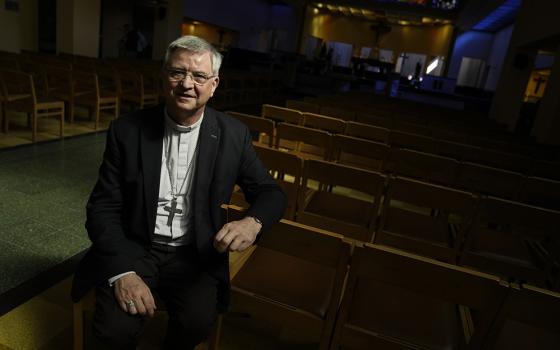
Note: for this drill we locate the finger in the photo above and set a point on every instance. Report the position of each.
(224, 243)
(132, 309)
(223, 231)
(140, 307)
(236, 244)
(149, 304)
(123, 306)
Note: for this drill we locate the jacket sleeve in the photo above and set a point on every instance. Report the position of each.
(266, 199)
(112, 249)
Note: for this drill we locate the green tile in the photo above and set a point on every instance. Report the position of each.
(61, 245)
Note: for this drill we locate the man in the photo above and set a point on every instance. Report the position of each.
(154, 215)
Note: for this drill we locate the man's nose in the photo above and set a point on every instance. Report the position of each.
(184, 82)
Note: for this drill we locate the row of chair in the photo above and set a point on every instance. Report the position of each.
(366, 296)
(309, 142)
(433, 220)
(436, 143)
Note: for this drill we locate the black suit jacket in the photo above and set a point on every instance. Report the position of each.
(121, 210)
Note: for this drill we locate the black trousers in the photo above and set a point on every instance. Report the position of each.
(174, 274)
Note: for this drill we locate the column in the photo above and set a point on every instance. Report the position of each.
(546, 127)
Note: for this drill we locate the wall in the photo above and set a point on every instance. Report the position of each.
(253, 19)
(469, 44)
(18, 30)
(86, 27)
(115, 15)
(497, 57)
(64, 26)
(431, 41)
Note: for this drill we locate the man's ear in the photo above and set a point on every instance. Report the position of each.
(215, 83)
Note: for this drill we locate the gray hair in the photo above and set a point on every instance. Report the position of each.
(195, 44)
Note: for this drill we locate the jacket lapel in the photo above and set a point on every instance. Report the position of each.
(151, 141)
(209, 139)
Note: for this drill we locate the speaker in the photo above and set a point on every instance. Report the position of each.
(521, 61)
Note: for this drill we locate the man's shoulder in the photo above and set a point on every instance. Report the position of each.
(226, 122)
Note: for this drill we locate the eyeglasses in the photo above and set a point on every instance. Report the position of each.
(179, 75)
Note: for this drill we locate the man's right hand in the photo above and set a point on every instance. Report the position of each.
(131, 287)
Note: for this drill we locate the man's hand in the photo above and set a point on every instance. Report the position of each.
(132, 288)
(236, 236)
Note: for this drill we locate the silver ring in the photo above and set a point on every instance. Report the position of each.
(130, 303)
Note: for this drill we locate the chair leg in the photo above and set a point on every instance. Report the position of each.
(78, 326)
(214, 340)
(62, 122)
(34, 126)
(96, 112)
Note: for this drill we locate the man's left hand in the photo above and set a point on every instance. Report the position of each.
(236, 236)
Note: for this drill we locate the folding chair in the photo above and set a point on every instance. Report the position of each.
(19, 96)
(489, 181)
(322, 122)
(293, 279)
(281, 114)
(397, 300)
(95, 99)
(303, 106)
(425, 219)
(262, 128)
(528, 320)
(416, 142)
(360, 153)
(340, 113)
(368, 132)
(303, 141)
(541, 193)
(425, 166)
(547, 169)
(340, 198)
(514, 240)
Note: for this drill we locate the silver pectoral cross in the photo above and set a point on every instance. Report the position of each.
(172, 211)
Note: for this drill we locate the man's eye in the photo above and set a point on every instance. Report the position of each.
(176, 74)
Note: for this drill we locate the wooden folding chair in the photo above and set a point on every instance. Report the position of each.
(528, 320)
(305, 142)
(359, 152)
(322, 122)
(400, 139)
(425, 219)
(454, 150)
(514, 240)
(262, 128)
(367, 131)
(281, 114)
(293, 279)
(287, 169)
(340, 113)
(397, 300)
(501, 160)
(62, 87)
(376, 119)
(133, 89)
(340, 198)
(303, 106)
(20, 96)
(541, 193)
(425, 166)
(412, 128)
(547, 169)
(489, 181)
(97, 100)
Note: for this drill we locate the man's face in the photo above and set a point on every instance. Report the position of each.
(185, 98)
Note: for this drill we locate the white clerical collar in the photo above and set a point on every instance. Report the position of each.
(172, 124)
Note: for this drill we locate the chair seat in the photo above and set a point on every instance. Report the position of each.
(287, 279)
(407, 316)
(47, 103)
(14, 97)
(342, 208)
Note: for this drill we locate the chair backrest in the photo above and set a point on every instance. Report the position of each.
(376, 119)
(367, 131)
(59, 81)
(359, 152)
(281, 114)
(547, 169)
(512, 239)
(425, 218)
(86, 83)
(425, 166)
(340, 113)
(397, 300)
(307, 136)
(256, 124)
(340, 198)
(17, 84)
(501, 160)
(411, 141)
(454, 150)
(303, 106)
(528, 320)
(413, 128)
(287, 169)
(322, 122)
(541, 192)
(489, 181)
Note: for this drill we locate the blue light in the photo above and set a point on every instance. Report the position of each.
(500, 17)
